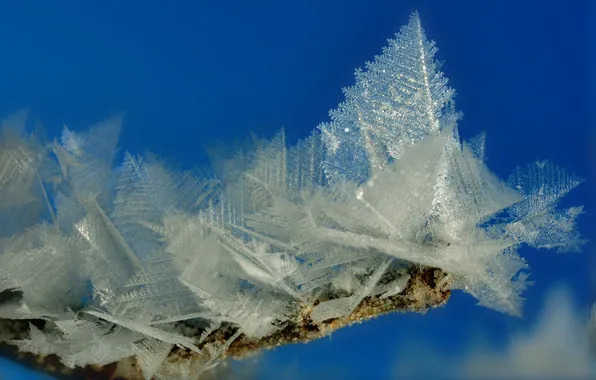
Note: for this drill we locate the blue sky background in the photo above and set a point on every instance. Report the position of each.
(187, 73)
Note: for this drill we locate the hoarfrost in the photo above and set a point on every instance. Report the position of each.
(139, 259)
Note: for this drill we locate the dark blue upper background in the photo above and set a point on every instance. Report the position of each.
(187, 73)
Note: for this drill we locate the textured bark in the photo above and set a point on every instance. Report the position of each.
(427, 288)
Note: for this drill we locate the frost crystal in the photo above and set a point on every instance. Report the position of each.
(380, 209)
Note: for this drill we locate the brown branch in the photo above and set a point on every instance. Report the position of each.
(427, 288)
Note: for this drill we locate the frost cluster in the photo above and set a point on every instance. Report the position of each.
(130, 258)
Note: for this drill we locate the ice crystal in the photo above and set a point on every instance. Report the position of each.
(380, 209)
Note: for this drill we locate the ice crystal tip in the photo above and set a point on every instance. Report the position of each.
(380, 209)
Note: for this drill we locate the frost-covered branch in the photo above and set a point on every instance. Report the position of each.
(381, 209)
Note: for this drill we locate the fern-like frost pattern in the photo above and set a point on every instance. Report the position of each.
(124, 260)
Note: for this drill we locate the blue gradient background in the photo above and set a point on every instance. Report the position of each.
(187, 73)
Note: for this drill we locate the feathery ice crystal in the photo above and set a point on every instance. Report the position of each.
(380, 209)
